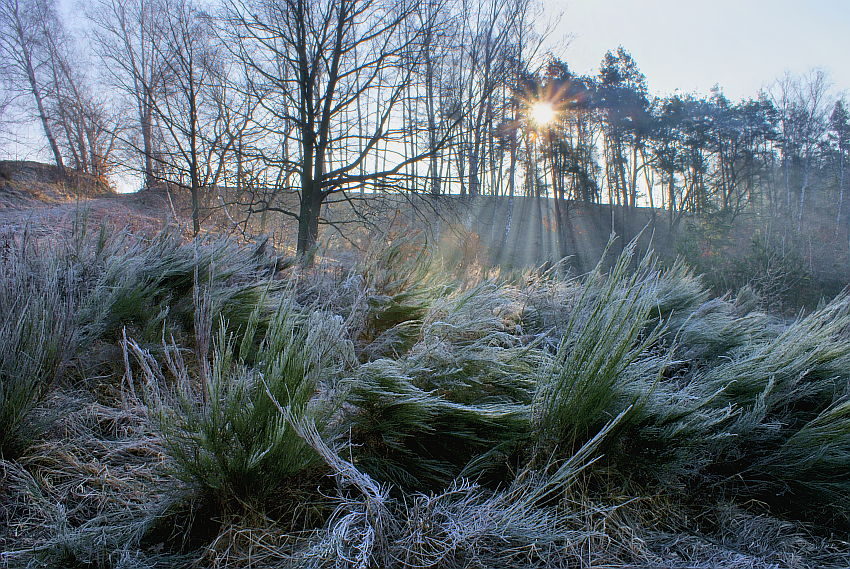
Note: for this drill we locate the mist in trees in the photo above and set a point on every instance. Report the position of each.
(292, 105)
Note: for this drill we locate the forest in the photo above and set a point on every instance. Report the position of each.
(400, 290)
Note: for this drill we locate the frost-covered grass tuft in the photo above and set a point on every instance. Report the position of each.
(40, 295)
(218, 416)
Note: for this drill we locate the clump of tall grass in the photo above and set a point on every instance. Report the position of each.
(39, 335)
(457, 401)
(217, 415)
(714, 329)
(421, 439)
(471, 348)
(787, 392)
(745, 402)
(791, 425)
(677, 292)
(805, 360)
(149, 286)
(609, 329)
(814, 460)
(398, 285)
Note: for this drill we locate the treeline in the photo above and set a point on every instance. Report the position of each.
(333, 99)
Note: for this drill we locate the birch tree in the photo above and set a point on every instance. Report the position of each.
(25, 50)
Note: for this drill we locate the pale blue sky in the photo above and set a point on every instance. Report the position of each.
(691, 45)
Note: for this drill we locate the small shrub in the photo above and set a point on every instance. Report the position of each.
(776, 270)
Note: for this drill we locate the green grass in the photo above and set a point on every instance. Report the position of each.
(609, 330)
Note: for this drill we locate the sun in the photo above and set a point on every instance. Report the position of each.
(542, 113)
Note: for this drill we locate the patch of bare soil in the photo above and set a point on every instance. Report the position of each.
(23, 182)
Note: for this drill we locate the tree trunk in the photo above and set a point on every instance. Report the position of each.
(634, 175)
(308, 225)
(194, 166)
(39, 99)
(146, 118)
(671, 195)
(840, 187)
(803, 188)
(474, 181)
(433, 166)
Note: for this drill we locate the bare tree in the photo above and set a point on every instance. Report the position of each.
(85, 125)
(803, 106)
(494, 28)
(839, 134)
(7, 97)
(127, 39)
(813, 108)
(186, 110)
(331, 76)
(24, 47)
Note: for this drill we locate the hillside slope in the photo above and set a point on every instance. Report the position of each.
(40, 198)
